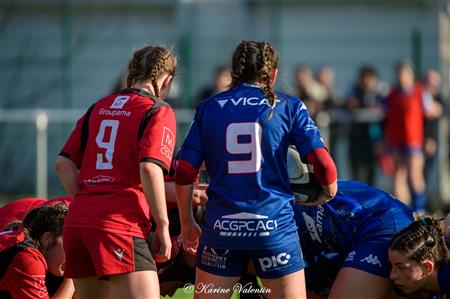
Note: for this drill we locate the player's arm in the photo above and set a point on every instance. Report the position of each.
(199, 196)
(185, 176)
(68, 173)
(153, 184)
(27, 271)
(67, 165)
(65, 290)
(324, 171)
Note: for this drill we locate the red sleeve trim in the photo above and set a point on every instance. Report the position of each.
(324, 168)
(185, 173)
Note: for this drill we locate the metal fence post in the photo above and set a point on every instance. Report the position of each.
(41, 122)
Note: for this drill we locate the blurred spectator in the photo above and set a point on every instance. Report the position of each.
(404, 133)
(325, 77)
(432, 84)
(309, 90)
(364, 136)
(222, 80)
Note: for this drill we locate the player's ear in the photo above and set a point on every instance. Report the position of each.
(273, 76)
(46, 239)
(167, 81)
(427, 267)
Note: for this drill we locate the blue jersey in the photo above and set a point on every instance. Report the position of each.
(249, 198)
(444, 280)
(358, 213)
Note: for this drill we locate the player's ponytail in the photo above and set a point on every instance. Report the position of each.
(268, 54)
(149, 63)
(254, 62)
(422, 239)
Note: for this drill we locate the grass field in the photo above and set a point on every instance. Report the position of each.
(181, 294)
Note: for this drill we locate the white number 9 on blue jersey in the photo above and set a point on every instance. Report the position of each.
(253, 147)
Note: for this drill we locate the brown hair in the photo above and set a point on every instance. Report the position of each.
(149, 63)
(45, 219)
(254, 61)
(422, 239)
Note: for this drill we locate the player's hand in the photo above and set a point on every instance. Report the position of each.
(199, 196)
(161, 245)
(327, 194)
(190, 236)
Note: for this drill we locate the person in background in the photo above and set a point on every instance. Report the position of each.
(432, 93)
(364, 136)
(309, 90)
(222, 81)
(244, 148)
(325, 77)
(406, 109)
(26, 255)
(420, 259)
(113, 165)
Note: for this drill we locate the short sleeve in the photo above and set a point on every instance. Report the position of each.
(73, 149)
(192, 148)
(158, 140)
(305, 134)
(26, 275)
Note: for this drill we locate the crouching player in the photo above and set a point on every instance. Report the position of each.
(420, 259)
(345, 241)
(26, 255)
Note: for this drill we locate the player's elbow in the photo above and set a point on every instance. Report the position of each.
(62, 165)
(150, 170)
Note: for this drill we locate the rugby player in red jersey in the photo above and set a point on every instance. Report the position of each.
(404, 133)
(113, 164)
(26, 255)
(16, 210)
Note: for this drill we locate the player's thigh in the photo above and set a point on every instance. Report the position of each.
(91, 287)
(288, 286)
(208, 285)
(139, 284)
(353, 283)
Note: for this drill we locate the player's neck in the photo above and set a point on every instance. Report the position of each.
(145, 87)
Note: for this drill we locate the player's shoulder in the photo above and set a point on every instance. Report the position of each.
(215, 101)
(290, 100)
(30, 260)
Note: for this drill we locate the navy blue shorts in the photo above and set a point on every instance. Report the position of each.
(368, 252)
(269, 263)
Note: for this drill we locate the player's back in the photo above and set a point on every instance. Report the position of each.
(122, 131)
(116, 124)
(356, 212)
(245, 153)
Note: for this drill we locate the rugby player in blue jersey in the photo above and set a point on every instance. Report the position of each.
(420, 259)
(242, 135)
(345, 241)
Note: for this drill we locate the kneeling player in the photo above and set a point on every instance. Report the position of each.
(345, 241)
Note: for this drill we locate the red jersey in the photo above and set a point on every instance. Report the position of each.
(108, 143)
(405, 118)
(22, 267)
(17, 209)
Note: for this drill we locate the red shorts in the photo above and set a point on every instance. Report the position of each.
(91, 252)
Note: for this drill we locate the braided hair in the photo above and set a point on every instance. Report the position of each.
(149, 63)
(422, 239)
(254, 61)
